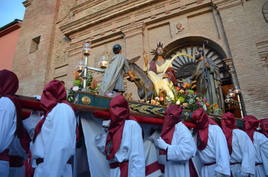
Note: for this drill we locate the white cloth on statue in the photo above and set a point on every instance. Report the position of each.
(261, 147)
(16, 149)
(151, 154)
(55, 143)
(7, 130)
(97, 163)
(131, 150)
(181, 150)
(243, 153)
(216, 152)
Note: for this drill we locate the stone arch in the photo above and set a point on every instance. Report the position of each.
(184, 63)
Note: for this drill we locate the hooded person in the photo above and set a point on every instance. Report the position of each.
(241, 148)
(212, 146)
(260, 142)
(14, 142)
(264, 126)
(55, 134)
(176, 144)
(122, 144)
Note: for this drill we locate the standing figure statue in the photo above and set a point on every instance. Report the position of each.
(160, 71)
(113, 80)
(208, 79)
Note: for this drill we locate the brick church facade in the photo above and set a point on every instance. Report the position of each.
(53, 33)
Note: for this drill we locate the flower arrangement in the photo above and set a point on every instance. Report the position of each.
(91, 85)
(186, 96)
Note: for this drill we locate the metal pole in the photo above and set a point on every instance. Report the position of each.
(240, 106)
(85, 74)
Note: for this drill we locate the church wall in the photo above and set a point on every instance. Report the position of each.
(248, 36)
(139, 30)
(30, 61)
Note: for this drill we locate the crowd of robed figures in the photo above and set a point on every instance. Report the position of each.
(47, 149)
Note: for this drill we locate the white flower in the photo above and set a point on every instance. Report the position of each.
(75, 88)
(204, 107)
(178, 102)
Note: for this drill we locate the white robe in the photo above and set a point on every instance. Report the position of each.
(7, 130)
(131, 150)
(151, 154)
(97, 163)
(181, 150)
(16, 149)
(55, 143)
(215, 151)
(261, 147)
(243, 152)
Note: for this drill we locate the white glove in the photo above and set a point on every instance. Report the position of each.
(106, 123)
(161, 144)
(154, 136)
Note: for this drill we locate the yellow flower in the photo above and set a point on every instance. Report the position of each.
(185, 105)
(181, 99)
(153, 102)
(181, 91)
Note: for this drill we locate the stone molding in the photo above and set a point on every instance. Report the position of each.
(127, 7)
(123, 27)
(224, 4)
(133, 29)
(262, 47)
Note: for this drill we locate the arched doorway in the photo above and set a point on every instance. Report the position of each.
(184, 63)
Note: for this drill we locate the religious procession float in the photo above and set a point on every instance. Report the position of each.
(189, 80)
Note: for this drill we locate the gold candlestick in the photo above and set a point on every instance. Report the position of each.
(86, 53)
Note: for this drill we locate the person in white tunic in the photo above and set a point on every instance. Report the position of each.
(176, 144)
(260, 142)
(9, 85)
(240, 147)
(264, 126)
(55, 134)
(123, 144)
(212, 146)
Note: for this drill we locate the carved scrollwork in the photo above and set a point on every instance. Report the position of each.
(179, 28)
